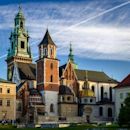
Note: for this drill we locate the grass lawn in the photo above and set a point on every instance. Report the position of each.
(77, 127)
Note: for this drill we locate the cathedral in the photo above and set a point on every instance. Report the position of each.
(48, 92)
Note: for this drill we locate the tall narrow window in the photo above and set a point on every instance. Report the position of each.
(93, 88)
(0, 102)
(100, 111)
(22, 45)
(45, 51)
(8, 103)
(110, 92)
(51, 108)
(109, 112)
(51, 51)
(21, 24)
(51, 78)
(102, 92)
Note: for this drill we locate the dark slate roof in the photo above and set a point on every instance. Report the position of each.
(124, 83)
(96, 76)
(47, 39)
(61, 68)
(105, 101)
(27, 71)
(5, 81)
(34, 91)
(64, 90)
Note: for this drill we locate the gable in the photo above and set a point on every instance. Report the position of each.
(69, 72)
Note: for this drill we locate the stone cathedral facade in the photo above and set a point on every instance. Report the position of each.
(48, 91)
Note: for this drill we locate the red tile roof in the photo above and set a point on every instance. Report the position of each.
(124, 83)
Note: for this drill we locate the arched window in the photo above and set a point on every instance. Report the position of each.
(52, 108)
(21, 24)
(45, 51)
(110, 93)
(91, 100)
(93, 88)
(22, 44)
(102, 92)
(68, 98)
(100, 111)
(51, 78)
(109, 112)
(51, 51)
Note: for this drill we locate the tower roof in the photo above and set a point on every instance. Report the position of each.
(65, 90)
(71, 56)
(20, 13)
(47, 39)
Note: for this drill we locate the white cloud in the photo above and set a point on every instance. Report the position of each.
(94, 39)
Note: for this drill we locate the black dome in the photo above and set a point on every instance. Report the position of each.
(34, 91)
(64, 90)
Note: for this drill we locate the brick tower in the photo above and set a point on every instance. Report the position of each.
(48, 73)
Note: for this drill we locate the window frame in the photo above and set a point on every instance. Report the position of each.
(1, 102)
(8, 103)
(22, 45)
(0, 90)
(8, 90)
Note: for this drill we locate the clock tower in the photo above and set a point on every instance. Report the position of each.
(19, 50)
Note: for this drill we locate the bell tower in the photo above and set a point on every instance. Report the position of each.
(47, 65)
(48, 74)
(19, 50)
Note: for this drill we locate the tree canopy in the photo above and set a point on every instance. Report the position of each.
(124, 115)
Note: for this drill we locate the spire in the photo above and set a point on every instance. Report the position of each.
(47, 39)
(71, 56)
(20, 8)
(20, 13)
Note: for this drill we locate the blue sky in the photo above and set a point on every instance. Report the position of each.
(99, 31)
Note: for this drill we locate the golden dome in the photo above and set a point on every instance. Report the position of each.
(87, 93)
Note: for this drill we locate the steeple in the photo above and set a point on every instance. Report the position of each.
(19, 38)
(47, 39)
(47, 48)
(20, 19)
(19, 50)
(71, 56)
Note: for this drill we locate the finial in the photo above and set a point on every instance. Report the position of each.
(71, 58)
(20, 8)
(86, 85)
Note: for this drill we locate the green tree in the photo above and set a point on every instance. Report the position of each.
(124, 115)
